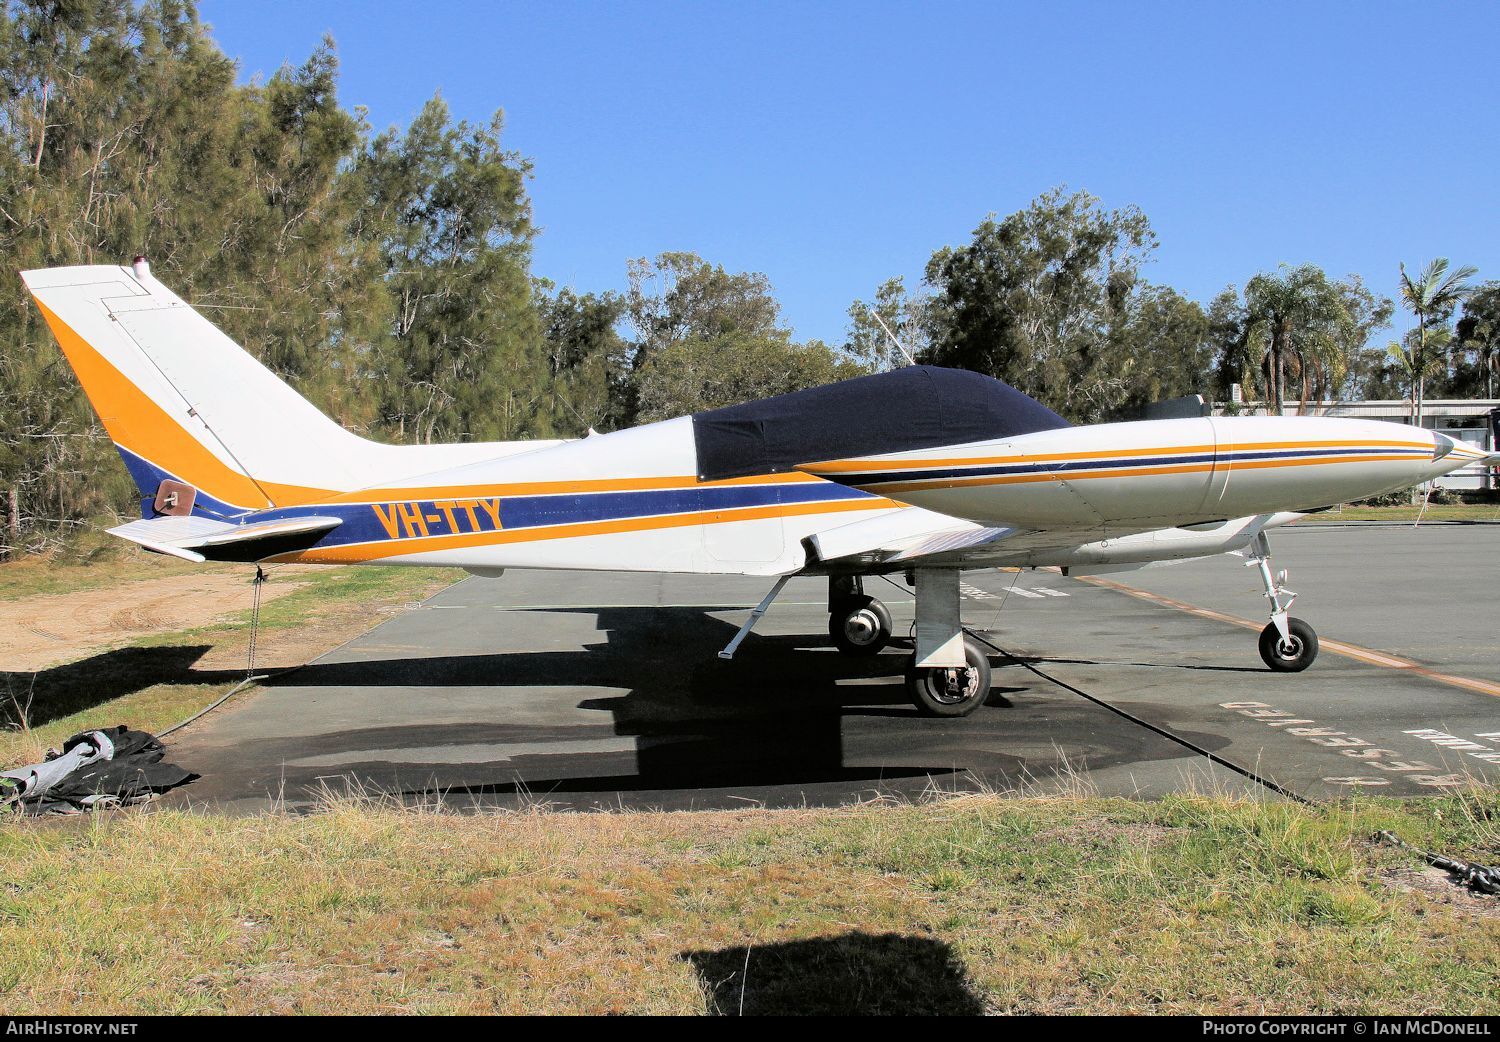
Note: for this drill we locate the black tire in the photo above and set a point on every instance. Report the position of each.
(861, 626)
(1294, 656)
(951, 692)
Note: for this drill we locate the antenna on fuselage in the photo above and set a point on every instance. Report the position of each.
(894, 339)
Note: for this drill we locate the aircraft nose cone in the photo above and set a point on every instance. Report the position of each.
(1450, 454)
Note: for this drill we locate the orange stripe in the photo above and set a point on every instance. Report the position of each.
(857, 466)
(138, 424)
(1338, 647)
(536, 488)
(358, 552)
(894, 487)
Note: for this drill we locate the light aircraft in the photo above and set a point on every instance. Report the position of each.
(921, 471)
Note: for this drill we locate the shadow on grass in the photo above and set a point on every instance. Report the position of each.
(851, 974)
(44, 695)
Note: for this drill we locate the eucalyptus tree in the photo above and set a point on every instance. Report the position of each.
(463, 359)
(586, 357)
(678, 297)
(1479, 331)
(1033, 297)
(893, 313)
(696, 373)
(1160, 346)
(1432, 297)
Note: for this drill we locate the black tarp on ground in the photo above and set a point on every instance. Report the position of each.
(131, 771)
(918, 407)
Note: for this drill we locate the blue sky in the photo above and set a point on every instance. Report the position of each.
(833, 145)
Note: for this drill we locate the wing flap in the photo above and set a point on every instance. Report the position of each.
(885, 534)
(900, 537)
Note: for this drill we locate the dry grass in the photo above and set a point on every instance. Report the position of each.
(161, 678)
(959, 904)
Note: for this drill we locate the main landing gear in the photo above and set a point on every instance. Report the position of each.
(1287, 645)
(859, 625)
(951, 690)
(949, 674)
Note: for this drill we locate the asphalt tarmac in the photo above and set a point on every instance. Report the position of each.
(588, 690)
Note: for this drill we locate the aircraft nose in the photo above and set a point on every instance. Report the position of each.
(1450, 454)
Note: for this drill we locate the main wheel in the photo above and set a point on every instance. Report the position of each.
(951, 692)
(1292, 655)
(861, 626)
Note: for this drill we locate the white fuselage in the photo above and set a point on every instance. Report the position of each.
(1157, 473)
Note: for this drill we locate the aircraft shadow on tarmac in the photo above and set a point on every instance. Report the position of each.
(853, 974)
(41, 696)
(773, 716)
(788, 719)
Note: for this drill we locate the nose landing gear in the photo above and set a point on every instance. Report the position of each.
(1287, 645)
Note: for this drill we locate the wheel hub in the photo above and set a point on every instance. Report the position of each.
(862, 627)
(951, 686)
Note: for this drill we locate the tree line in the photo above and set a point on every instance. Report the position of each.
(387, 274)
(1052, 300)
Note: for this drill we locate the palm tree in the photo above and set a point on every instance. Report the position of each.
(1291, 323)
(1431, 296)
(1418, 363)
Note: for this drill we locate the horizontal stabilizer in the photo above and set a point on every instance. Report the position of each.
(201, 539)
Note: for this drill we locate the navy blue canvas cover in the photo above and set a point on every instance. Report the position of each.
(919, 407)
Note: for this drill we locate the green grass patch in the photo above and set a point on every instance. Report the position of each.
(1407, 512)
(90, 561)
(969, 904)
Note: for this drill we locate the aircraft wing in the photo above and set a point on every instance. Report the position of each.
(912, 536)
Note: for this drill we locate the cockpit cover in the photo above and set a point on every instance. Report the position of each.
(917, 407)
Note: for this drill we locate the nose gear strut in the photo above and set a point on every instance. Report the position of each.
(1287, 645)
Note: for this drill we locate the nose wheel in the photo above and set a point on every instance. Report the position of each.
(860, 625)
(1287, 645)
(1292, 653)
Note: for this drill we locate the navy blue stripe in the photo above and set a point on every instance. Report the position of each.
(364, 523)
(1044, 467)
(148, 476)
(530, 511)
